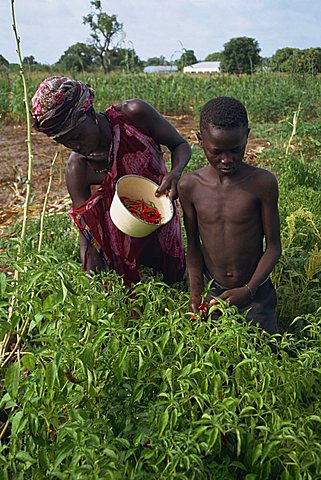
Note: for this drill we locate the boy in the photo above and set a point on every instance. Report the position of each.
(230, 211)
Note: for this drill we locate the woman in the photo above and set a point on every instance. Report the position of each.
(125, 139)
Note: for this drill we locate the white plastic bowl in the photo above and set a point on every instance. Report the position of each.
(138, 188)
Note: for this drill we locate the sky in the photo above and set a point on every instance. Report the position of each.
(161, 27)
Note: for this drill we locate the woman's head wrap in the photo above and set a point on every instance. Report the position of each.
(59, 104)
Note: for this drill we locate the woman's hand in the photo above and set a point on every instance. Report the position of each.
(169, 186)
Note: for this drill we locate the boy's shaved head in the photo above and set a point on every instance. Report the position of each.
(223, 112)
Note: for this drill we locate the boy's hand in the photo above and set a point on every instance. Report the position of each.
(195, 302)
(240, 297)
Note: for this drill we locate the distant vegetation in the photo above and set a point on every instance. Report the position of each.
(108, 52)
(268, 97)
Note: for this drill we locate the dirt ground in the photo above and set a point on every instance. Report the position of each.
(14, 166)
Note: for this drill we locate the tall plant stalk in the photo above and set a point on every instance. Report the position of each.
(28, 138)
(45, 202)
(6, 340)
(294, 128)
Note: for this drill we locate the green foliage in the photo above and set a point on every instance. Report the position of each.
(105, 32)
(268, 97)
(121, 384)
(213, 57)
(156, 61)
(3, 62)
(125, 59)
(187, 58)
(29, 61)
(79, 57)
(294, 60)
(240, 55)
(118, 384)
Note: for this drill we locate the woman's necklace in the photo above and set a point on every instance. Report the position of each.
(103, 155)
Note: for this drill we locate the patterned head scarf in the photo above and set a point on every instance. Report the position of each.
(59, 104)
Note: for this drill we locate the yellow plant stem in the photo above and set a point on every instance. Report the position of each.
(45, 202)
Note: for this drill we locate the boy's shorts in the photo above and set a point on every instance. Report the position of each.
(262, 306)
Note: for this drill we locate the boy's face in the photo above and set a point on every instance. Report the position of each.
(224, 147)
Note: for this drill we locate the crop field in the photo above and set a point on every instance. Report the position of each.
(102, 382)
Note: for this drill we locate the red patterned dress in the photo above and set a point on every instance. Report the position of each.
(132, 152)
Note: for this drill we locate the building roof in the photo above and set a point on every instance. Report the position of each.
(203, 67)
(160, 68)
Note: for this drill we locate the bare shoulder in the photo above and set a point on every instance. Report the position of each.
(264, 183)
(75, 159)
(265, 178)
(188, 181)
(134, 107)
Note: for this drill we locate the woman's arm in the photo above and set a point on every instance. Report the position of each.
(147, 118)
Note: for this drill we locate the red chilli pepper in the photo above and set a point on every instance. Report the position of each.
(146, 211)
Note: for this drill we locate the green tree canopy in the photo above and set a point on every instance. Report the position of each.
(214, 57)
(3, 61)
(187, 58)
(105, 33)
(80, 57)
(156, 61)
(240, 55)
(125, 59)
(294, 60)
(29, 60)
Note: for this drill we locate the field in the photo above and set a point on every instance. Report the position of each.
(109, 384)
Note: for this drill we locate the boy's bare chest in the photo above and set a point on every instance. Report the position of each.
(234, 204)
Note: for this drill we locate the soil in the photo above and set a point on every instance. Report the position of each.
(14, 167)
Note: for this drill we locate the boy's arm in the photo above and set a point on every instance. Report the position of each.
(194, 251)
(271, 227)
(155, 125)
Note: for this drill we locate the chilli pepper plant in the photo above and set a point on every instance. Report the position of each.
(111, 383)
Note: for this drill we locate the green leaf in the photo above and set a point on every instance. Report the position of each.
(12, 379)
(51, 375)
(199, 430)
(110, 453)
(29, 361)
(314, 418)
(3, 283)
(113, 345)
(257, 453)
(25, 457)
(164, 339)
(247, 410)
(18, 422)
(212, 437)
(178, 349)
(163, 421)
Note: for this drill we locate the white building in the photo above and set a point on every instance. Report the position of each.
(160, 69)
(203, 67)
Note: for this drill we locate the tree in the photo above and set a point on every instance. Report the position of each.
(29, 61)
(214, 57)
(294, 60)
(187, 58)
(105, 32)
(3, 62)
(125, 58)
(240, 55)
(156, 61)
(281, 60)
(80, 57)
